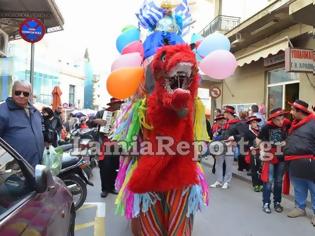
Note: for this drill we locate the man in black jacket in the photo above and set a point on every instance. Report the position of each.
(300, 152)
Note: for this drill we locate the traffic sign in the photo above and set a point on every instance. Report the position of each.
(215, 92)
(32, 30)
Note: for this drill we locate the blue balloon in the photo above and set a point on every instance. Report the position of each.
(195, 38)
(215, 41)
(198, 57)
(127, 37)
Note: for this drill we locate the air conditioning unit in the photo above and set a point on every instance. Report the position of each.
(4, 39)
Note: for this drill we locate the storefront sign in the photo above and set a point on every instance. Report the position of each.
(215, 92)
(299, 60)
(274, 60)
(32, 30)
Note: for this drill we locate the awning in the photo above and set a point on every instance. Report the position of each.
(13, 12)
(250, 54)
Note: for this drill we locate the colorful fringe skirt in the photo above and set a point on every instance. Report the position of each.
(167, 213)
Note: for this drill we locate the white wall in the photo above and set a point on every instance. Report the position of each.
(65, 82)
(242, 8)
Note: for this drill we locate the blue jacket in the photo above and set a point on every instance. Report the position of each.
(23, 133)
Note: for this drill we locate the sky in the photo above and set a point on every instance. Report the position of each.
(93, 24)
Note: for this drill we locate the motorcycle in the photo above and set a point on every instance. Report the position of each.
(73, 175)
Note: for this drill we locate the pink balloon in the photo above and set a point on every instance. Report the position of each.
(136, 46)
(219, 64)
(127, 60)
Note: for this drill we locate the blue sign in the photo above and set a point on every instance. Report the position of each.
(32, 30)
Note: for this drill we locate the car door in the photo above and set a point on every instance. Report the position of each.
(23, 211)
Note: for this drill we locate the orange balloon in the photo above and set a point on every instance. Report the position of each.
(124, 82)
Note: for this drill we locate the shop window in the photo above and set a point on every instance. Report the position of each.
(283, 87)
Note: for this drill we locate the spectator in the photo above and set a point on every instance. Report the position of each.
(243, 128)
(108, 163)
(21, 123)
(50, 130)
(255, 112)
(58, 114)
(300, 152)
(274, 134)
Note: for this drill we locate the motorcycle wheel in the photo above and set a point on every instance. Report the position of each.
(77, 188)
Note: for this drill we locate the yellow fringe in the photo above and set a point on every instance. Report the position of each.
(200, 125)
(142, 114)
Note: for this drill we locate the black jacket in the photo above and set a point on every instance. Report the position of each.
(300, 149)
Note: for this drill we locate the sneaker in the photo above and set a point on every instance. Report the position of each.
(313, 220)
(225, 186)
(278, 207)
(217, 184)
(296, 212)
(256, 189)
(266, 208)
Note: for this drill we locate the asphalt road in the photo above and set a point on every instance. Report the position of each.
(236, 211)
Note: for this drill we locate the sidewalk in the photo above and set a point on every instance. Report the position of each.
(242, 175)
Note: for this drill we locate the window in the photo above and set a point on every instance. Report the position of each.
(14, 186)
(283, 87)
(71, 94)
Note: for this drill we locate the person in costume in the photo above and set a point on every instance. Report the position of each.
(271, 141)
(161, 191)
(233, 132)
(166, 31)
(217, 130)
(300, 153)
(252, 151)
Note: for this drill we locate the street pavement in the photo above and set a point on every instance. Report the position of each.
(236, 211)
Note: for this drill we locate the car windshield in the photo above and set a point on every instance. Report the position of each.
(13, 184)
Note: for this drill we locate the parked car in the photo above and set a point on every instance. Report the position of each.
(32, 202)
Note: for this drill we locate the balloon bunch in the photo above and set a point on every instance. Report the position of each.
(126, 71)
(215, 57)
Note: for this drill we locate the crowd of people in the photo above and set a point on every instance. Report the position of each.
(273, 151)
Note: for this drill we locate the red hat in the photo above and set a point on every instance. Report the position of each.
(219, 117)
(114, 101)
(252, 118)
(277, 112)
(300, 105)
(229, 109)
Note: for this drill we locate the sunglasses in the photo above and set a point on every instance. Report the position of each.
(18, 93)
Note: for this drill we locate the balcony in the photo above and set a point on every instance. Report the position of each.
(220, 23)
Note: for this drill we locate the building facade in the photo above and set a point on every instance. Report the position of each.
(261, 45)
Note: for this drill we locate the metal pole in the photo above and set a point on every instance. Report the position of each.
(32, 64)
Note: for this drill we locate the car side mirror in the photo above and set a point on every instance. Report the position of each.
(41, 178)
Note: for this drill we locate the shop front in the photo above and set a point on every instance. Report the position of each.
(263, 55)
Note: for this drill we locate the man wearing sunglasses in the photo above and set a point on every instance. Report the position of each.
(21, 123)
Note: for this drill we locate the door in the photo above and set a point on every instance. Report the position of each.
(291, 94)
(23, 211)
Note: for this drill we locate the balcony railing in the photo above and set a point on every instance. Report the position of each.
(220, 23)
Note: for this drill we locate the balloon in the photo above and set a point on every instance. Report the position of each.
(127, 60)
(136, 46)
(215, 41)
(219, 64)
(195, 38)
(123, 83)
(127, 37)
(128, 27)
